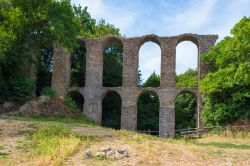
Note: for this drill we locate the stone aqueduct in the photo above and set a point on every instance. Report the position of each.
(94, 92)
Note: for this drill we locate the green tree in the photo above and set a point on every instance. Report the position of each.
(28, 26)
(188, 79)
(148, 106)
(226, 86)
(152, 81)
(111, 110)
(112, 52)
(185, 111)
(185, 104)
(148, 111)
(112, 65)
(30, 29)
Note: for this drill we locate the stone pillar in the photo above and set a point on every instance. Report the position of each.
(168, 54)
(130, 63)
(93, 85)
(129, 109)
(199, 108)
(129, 85)
(167, 113)
(61, 71)
(205, 43)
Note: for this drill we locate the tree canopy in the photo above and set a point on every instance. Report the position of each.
(31, 28)
(226, 86)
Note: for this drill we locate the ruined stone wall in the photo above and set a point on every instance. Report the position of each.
(93, 91)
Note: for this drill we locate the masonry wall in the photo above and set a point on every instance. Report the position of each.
(93, 91)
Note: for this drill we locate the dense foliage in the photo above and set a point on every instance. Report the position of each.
(185, 104)
(28, 31)
(148, 106)
(111, 110)
(26, 27)
(187, 79)
(226, 87)
(112, 65)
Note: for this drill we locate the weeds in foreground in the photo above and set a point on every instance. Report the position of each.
(51, 145)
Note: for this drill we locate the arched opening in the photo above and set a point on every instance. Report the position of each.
(111, 110)
(186, 65)
(149, 62)
(44, 68)
(78, 66)
(77, 99)
(185, 111)
(112, 64)
(148, 106)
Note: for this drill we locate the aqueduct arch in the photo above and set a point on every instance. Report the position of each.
(167, 92)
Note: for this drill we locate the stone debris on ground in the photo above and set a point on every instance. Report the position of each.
(87, 154)
(107, 152)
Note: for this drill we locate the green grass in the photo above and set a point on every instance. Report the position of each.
(82, 120)
(223, 145)
(1, 146)
(3, 154)
(51, 145)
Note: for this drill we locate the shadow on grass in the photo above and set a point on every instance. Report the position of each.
(223, 145)
(80, 120)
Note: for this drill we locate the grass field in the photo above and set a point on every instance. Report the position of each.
(43, 141)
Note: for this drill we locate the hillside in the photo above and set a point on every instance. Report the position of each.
(43, 141)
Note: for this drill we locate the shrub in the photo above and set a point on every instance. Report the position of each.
(2, 89)
(21, 89)
(71, 104)
(48, 91)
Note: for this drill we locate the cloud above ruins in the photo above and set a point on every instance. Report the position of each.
(169, 17)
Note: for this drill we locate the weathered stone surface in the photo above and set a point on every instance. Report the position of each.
(45, 106)
(9, 106)
(87, 154)
(119, 154)
(110, 154)
(167, 92)
(105, 149)
(100, 154)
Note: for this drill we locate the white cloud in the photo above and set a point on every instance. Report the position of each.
(149, 59)
(186, 57)
(224, 19)
(120, 17)
(197, 15)
(135, 18)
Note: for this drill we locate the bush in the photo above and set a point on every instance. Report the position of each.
(21, 89)
(71, 104)
(48, 91)
(2, 89)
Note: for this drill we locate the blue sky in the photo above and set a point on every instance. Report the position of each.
(169, 17)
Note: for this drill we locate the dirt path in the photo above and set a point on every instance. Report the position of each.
(12, 133)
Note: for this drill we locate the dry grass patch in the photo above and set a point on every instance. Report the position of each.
(57, 143)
